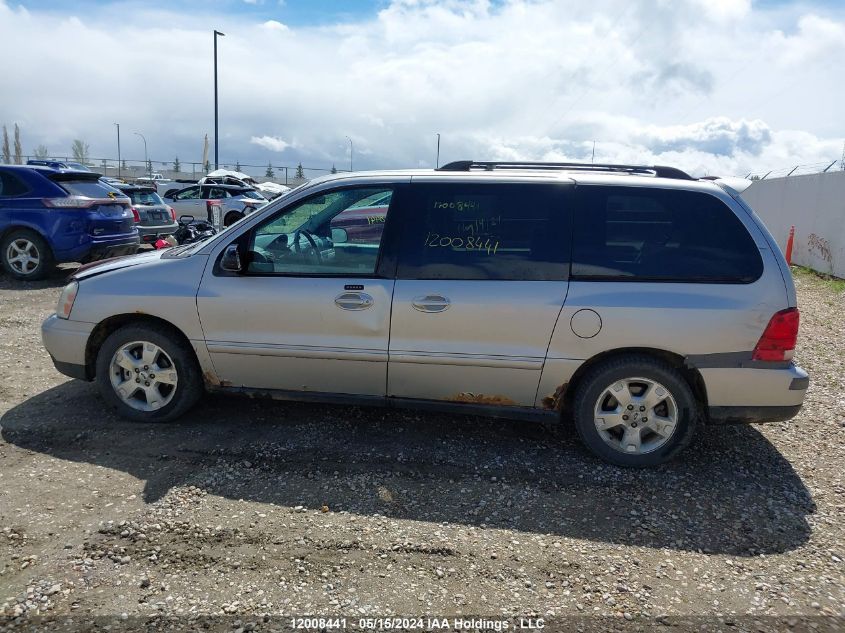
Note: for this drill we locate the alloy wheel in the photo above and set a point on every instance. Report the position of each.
(636, 415)
(143, 376)
(22, 256)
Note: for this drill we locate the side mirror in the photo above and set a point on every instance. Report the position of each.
(339, 236)
(231, 260)
(186, 219)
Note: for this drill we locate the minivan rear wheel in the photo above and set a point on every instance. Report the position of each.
(25, 255)
(148, 373)
(635, 411)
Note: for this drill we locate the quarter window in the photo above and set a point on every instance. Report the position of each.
(11, 185)
(647, 234)
(336, 233)
(491, 231)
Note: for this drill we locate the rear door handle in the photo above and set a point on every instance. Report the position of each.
(431, 303)
(353, 301)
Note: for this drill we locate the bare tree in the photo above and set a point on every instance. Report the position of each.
(18, 148)
(80, 151)
(7, 153)
(41, 152)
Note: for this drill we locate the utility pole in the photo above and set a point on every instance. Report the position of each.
(351, 149)
(437, 161)
(118, 149)
(593, 157)
(147, 165)
(216, 144)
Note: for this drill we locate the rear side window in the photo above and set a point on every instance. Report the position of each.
(647, 234)
(491, 231)
(88, 188)
(11, 185)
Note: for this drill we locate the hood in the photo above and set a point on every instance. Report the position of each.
(115, 263)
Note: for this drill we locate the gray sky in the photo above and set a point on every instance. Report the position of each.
(716, 86)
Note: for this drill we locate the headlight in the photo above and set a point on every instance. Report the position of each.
(66, 300)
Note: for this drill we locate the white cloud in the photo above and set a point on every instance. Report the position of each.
(274, 25)
(722, 86)
(273, 143)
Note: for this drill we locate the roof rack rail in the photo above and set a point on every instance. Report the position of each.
(649, 170)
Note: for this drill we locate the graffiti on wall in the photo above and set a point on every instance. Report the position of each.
(820, 247)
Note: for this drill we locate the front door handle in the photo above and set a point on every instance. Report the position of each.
(431, 303)
(353, 301)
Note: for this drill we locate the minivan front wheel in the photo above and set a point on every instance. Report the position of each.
(635, 411)
(147, 373)
(25, 255)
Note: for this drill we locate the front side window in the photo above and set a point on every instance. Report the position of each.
(192, 193)
(490, 231)
(326, 234)
(649, 234)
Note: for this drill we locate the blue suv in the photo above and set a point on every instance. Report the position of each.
(50, 216)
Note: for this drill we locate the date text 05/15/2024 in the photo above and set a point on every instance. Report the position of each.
(417, 623)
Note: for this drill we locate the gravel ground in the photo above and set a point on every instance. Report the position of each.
(247, 511)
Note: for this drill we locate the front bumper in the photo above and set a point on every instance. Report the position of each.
(65, 341)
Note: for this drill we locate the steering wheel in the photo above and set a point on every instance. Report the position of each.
(312, 242)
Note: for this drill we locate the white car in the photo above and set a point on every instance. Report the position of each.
(236, 201)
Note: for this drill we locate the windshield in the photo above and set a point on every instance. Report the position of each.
(145, 197)
(190, 249)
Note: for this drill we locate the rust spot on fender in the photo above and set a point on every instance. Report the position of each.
(211, 379)
(481, 398)
(554, 402)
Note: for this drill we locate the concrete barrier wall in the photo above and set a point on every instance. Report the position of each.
(815, 205)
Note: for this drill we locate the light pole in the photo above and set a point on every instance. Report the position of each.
(118, 149)
(146, 158)
(351, 149)
(437, 162)
(216, 156)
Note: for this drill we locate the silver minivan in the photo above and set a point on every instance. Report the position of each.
(637, 303)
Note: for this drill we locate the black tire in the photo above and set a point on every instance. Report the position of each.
(189, 386)
(39, 246)
(232, 217)
(602, 376)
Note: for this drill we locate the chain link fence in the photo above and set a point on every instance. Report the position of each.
(133, 168)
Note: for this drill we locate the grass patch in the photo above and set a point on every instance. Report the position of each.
(836, 284)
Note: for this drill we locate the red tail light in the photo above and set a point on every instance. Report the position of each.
(136, 215)
(778, 340)
(172, 213)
